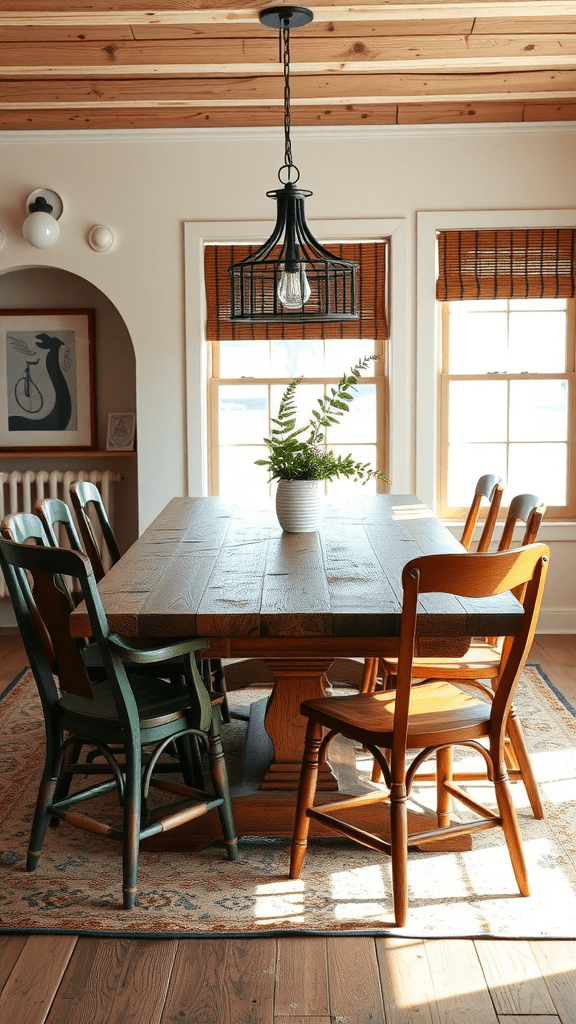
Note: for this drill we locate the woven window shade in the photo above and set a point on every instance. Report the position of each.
(372, 322)
(519, 264)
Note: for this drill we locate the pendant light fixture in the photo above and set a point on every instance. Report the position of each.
(292, 277)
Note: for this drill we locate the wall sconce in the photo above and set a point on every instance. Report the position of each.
(100, 238)
(44, 208)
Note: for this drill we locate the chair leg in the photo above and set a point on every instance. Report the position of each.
(516, 734)
(399, 853)
(65, 778)
(131, 819)
(219, 777)
(306, 794)
(190, 761)
(219, 685)
(444, 759)
(40, 822)
(369, 675)
(511, 829)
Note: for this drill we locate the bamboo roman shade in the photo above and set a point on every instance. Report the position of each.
(372, 321)
(532, 263)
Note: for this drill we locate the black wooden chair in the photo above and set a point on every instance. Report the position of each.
(131, 723)
(86, 501)
(428, 720)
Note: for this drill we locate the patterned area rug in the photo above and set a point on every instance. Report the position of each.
(344, 888)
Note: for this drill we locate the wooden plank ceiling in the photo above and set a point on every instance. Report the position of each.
(106, 64)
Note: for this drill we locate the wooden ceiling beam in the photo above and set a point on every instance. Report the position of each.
(317, 88)
(174, 13)
(111, 120)
(257, 56)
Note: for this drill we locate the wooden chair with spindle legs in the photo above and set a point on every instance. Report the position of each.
(488, 487)
(484, 658)
(430, 719)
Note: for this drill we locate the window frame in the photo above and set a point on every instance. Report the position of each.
(428, 334)
(445, 377)
(379, 378)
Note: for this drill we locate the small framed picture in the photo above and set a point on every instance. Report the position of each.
(121, 432)
(47, 389)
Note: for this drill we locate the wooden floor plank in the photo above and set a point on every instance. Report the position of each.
(353, 979)
(525, 1018)
(118, 981)
(459, 985)
(195, 994)
(33, 982)
(408, 990)
(557, 657)
(302, 978)
(248, 983)
(304, 1020)
(557, 961)
(514, 978)
(10, 948)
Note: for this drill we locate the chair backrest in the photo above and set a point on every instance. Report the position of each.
(489, 487)
(24, 528)
(85, 498)
(527, 509)
(41, 606)
(521, 570)
(55, 514)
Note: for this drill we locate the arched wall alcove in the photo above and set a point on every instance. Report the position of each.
(44, 288)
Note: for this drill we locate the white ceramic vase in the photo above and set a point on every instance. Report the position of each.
(299, 505)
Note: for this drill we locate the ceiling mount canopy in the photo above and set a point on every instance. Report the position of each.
(292, 277)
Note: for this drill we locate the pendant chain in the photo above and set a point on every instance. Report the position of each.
(285, 38)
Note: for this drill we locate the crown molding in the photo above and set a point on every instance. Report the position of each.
(315, 132)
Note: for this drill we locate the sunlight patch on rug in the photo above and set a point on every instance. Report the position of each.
(344, 887)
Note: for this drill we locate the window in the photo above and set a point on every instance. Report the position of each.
(507, 370)
(251, 365)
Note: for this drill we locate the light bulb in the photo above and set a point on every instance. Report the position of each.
(40, 230)
(293, 287)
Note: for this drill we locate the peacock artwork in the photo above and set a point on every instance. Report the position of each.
(48, 399)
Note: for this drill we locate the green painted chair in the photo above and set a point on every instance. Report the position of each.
(132, 723)
(86, 501)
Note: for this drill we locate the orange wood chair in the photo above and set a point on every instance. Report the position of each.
(429, 718)
(488, 487)
(483, 660)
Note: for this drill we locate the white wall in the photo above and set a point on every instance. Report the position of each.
(146, 185)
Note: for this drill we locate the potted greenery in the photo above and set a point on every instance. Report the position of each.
(300, 464)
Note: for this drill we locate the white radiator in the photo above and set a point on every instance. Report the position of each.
(19, 491)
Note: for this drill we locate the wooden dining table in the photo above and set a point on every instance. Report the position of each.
(297, 602)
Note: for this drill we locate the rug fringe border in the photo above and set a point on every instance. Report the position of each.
(280, 933)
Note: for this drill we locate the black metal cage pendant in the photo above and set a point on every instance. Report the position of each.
(292, 277)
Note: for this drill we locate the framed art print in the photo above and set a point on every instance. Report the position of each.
(121, 432)
(47, 388)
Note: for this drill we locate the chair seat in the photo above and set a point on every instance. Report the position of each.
(481, 661)
(159, 703)
(436, 710)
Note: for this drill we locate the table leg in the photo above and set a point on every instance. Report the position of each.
(295, 680)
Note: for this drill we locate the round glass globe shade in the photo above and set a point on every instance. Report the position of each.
(40, 230)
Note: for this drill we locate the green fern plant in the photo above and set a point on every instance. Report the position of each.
(292, 457)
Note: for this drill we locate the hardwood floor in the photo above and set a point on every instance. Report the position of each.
(291, 980)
